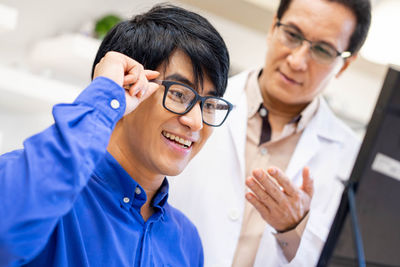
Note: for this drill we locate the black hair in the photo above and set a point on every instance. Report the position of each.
(362, 11)
(151, 37)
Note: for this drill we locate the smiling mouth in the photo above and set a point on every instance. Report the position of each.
(290, 79)
(178, 140)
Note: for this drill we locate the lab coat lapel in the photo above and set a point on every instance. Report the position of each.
(322, 126)
(307, 147)
(237, 124)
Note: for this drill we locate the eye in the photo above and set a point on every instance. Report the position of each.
(209, 107)
(293, 36)
(215, 105)
(222, 107)
(324, 51)
(177, 95)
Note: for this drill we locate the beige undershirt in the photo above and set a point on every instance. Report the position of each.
(276, 152)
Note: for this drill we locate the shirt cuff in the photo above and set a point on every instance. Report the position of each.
(289, 241)
(106, 96)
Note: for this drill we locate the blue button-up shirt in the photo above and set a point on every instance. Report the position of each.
(65, 201)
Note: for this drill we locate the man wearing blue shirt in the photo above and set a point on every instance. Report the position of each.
(91, 190)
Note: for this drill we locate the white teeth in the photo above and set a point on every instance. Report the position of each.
(177, 139)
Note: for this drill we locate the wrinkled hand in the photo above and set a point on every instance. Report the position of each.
(129, 74)
(281, 204)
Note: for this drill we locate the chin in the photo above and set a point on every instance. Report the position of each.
(173, 171)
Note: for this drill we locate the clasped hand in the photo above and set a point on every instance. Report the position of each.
(280, 203)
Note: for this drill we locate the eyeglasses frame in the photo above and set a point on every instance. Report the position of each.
(344, 54)
(167, 84)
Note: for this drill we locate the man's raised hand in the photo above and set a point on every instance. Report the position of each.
(130, 75)
(281, 204)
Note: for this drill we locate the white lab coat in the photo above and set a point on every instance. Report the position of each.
(211, 189)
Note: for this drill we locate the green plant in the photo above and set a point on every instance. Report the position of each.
(104, 24)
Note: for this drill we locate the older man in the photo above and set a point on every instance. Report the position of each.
(280, 125)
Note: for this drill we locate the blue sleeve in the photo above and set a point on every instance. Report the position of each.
(39, 183)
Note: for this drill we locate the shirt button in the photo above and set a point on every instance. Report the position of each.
(284, 244)
(234, 215)
(263, 151)
(114, 103)
(263, 112)
(126, 199)
(138, 191)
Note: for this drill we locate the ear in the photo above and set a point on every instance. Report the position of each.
(346, 64)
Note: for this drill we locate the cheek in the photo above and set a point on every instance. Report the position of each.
(208, 130)
(276, 50)
(205, 134)
(321, 77)
(145, 121)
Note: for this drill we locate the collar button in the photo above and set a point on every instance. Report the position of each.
(138, 191)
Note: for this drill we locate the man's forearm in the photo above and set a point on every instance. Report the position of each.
(40, 183)
(289, 241)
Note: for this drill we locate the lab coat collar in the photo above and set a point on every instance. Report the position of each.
(324, 125)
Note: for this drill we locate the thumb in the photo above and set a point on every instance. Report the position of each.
(308, 182)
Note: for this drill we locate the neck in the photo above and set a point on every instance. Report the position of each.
(279, 113)
(131, 163)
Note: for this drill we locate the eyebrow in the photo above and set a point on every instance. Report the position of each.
(179, 78)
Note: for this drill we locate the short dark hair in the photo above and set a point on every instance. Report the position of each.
(151, 37)
(362, 11)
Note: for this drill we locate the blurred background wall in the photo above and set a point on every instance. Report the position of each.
(47, 49)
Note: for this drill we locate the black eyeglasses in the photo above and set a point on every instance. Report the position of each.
(180, 98)
(320, 51)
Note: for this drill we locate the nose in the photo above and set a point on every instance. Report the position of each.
(193, 119)
(298, 58)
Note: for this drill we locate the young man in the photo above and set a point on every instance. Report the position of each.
(91, 189)
(279, 120)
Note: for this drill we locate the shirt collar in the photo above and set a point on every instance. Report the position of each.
(161, 196)
(307, 114)
(113, 176)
